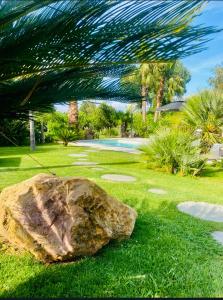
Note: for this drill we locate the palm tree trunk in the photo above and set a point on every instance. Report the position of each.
(42, 132)
(143, 94)
(32, 131)
(73, 113)
(159, 98)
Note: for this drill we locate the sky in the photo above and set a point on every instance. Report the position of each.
(200, 65)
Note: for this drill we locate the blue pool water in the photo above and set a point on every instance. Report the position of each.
(113, 143)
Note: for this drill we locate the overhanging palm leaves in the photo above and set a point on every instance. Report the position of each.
(42, 42)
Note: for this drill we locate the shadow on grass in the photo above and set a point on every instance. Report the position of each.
(212, 172)
(169, 255)
(23, 150)
(54, 166)
(10, 162)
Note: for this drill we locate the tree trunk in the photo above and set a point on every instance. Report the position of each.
(42, 132)
(159, 98)
(32, 131)
(143, 94)
(73, 113)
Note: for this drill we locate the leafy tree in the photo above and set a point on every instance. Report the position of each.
(106, 116)
(217, 80)
(204, 112)
(88, 119)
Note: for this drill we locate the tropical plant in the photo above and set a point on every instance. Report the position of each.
(174, 151)
(204, 112)
(171, 79)
(59, 129)
(55, 51)
(158, 83)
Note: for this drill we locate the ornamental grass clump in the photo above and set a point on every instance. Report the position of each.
(174, 151)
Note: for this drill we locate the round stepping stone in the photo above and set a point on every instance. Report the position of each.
(202, 210)
(118, 178)
(85, 163)
(218, 236)
(98, 169)
(157, 191)
(78, 155)
(91, 150)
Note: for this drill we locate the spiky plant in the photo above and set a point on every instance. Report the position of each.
(204, 112)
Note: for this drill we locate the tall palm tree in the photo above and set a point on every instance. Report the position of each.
(32, 131)
(73, 113)
(172, 78)
(144, 78)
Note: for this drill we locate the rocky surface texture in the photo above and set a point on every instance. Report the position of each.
(58, 219)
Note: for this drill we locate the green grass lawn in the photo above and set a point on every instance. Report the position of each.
(170, 254)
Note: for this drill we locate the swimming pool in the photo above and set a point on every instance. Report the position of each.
(130, 145)
(113, 143)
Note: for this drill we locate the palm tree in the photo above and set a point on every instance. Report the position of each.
(73, 113)
(52, 51)
(32, 131)
(144, 78)
(172, 79)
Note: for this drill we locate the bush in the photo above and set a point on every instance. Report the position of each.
(109, 132)
(59, 129)
(174, 151)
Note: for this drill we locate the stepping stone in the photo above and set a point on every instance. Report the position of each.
(118, 178)
(82, 159)
(85, 163)
(78, 155)
(91, 150)
(157, 191)
(218, 236)
(202, 210)
(97, 169)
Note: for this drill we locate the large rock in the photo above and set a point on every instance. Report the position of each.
(58, 219)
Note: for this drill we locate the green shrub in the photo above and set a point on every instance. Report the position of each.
(109, 132)
(174, 151)
(59, 129)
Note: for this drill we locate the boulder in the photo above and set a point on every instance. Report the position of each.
(59, 219)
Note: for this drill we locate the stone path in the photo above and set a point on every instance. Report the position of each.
(205, 211)
(157, 191)
(218, 236)
(202, 210)
(91, 150)
(98, 169)
(85, 163)
(118, 178)
(78, 155)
